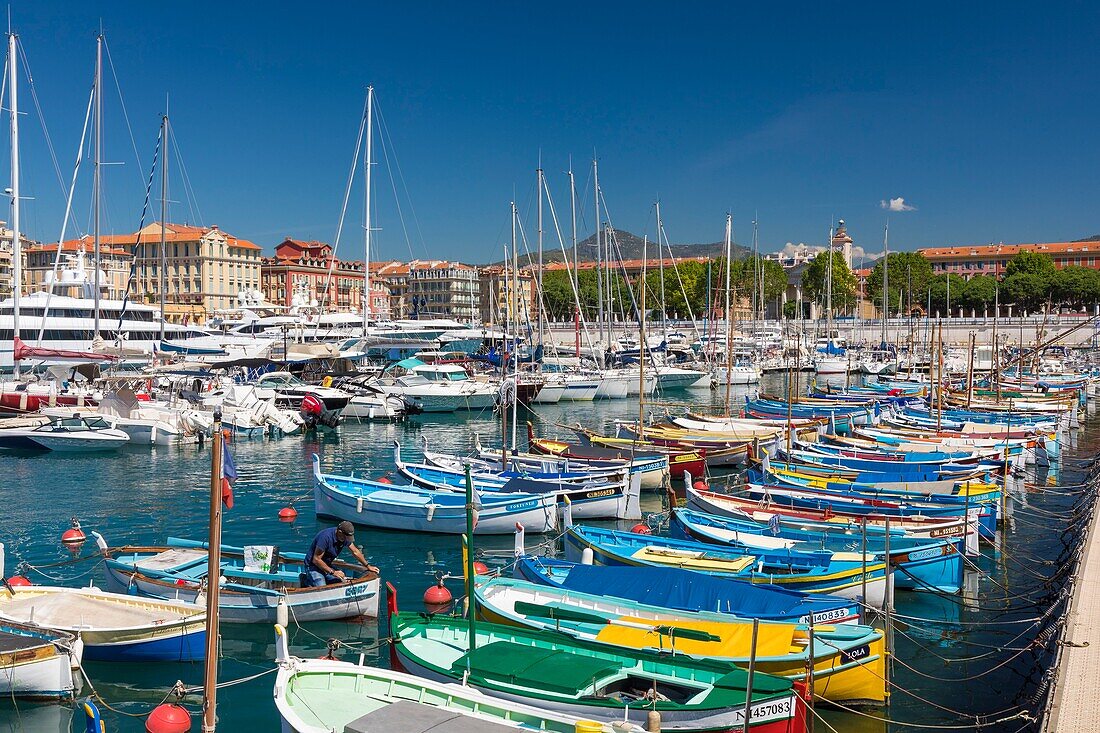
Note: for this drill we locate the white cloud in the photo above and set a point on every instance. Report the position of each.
(897, 204)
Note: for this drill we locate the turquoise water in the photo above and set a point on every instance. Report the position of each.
(144, 495)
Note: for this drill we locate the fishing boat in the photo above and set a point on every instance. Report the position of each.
(686, 590)
(848, 660)
(414, 509)
(249, 594)
(38, 663)
(680, 462)
(325, 695)
(76, 434)
(653, 469)
(113, 627)
(919, 564)
(592, 495)
(712, 502)
(592, 681)
(847, 574)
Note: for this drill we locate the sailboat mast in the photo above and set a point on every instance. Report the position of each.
(729, 321)
(573, 217)
(539, 289)
(599, 248)
(16, 247)
(829, 290)
(366, 209)
(515, 345)
(163, 218)
(97, 177)
(661, 267)
(642, 342)
(885, 283)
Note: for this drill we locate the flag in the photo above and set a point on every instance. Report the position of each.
(229, 475)
(766, 465)
(773, 524)
(476, 506)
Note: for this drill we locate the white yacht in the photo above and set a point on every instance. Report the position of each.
(440, 387)
(62, 317)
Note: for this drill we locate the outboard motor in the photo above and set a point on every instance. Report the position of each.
(313, 412)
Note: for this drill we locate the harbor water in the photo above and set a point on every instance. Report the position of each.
(963, 662)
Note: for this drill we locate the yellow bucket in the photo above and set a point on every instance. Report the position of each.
(588, 726)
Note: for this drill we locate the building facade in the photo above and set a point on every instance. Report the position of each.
(393, 276)
(7, 259)
(207, 269)
(309, 270)
(442, 289)
(77, 257)
(991, 259)
(503, 301)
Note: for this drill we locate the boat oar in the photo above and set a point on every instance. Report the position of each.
(525, 608)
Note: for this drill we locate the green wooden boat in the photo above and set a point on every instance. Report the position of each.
(592, 681)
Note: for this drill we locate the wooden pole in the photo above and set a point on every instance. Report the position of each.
(468, 556)
(972, 343)
(752, 671)
(213, 580)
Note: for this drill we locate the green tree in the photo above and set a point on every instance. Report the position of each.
(1076, 286)
(790, 310)
(943, 287)
(910, 273)
(844, 282)
(1030, 263)
(557, 294)
(979, 293)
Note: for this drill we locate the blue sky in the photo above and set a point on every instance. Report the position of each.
(981, 117)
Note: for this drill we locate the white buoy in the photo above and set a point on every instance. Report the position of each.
(586, 556)
(282, 613)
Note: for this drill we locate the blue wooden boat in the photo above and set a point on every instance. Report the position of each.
(414, 509)
(685, 590)
(919, 563)
(846, 574)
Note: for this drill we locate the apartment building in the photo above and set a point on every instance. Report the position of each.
(311, 269)
(500, 300)
(77, 260)
(991, 259)
(207, 268)
(442, 289)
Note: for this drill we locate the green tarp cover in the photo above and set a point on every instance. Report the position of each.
(535, 667)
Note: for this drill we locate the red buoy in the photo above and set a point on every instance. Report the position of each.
(437, 598)
(74, 535)
(700, 486)
(641, 528)
(384, 480)
(168, 718)
(18, 581)
(288, 514)
(480, 568)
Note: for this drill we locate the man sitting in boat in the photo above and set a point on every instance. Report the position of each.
(325, 548)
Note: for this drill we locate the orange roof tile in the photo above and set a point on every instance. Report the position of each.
(74, 245)
(1008, 250)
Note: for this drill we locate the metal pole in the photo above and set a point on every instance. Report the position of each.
(16, 245)
(213, 581)
(163, 282)
(369, 162)
(97, 174)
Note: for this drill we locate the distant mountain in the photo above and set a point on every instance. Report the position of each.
(1093, 238)
(629, 246)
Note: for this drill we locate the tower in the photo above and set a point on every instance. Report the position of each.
(843, 241)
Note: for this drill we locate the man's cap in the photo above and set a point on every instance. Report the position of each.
(346, 528)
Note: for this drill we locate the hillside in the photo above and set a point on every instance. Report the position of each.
(630, 246)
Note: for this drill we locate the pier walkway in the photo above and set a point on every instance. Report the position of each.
(1076, 704)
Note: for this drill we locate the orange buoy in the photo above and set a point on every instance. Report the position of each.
(168, 718)
(700, 486)
(227, 436)
(437, 597)
(384, 480)
(480, 568)
(288, 514)
(641, 528)
(18, 581)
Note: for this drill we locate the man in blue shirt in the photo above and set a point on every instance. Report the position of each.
(325, 548)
